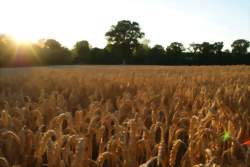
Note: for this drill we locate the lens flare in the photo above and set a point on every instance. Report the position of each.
(226, 136)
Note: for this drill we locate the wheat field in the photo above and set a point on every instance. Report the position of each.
(119, 116)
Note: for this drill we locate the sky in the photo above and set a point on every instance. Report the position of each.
(163, 21)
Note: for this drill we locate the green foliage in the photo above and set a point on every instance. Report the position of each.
(125, 33)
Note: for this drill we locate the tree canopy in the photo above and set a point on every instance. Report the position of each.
(240, 46)
(175, 48)
(124, 45)
(81, 52)
(125, 33)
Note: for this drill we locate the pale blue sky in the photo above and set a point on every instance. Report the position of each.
(163, 21)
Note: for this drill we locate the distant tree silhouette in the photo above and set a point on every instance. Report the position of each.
(115, 54)
(206, 51)
(52, 44)
(240, 46)
(175, 48)
(123, 46)
(3, 57)
(217, 56)
(97, 56)
(206, 48)
(7, 50)
(217, 47)
(125, 35)
(175, 53)
(156, 55)
(18, 54)
(141, 54)
(239, 52)
(54, 54)
(81, 52)
(194, 48)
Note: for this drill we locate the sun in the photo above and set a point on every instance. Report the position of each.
(22, 38)
(21, 35)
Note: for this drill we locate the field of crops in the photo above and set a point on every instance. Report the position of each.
(118, 116)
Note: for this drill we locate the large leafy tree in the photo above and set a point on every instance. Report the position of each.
(240, 46)
(125, 34)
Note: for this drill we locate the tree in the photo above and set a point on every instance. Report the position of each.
(81, 52)
(156, 54)
(217, 47)
(54, 54)
(8, 48)
(96, 56)
(194, 47)
(125, 35)
(240, 46)
(217, 56)
(3, 47)
(141, 53)
(52, 44)
(175, 48)
(114, 54)
(206, 48)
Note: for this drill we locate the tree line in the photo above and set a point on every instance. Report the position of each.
(124, 46)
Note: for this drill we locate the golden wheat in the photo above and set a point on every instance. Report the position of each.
(125, 117)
